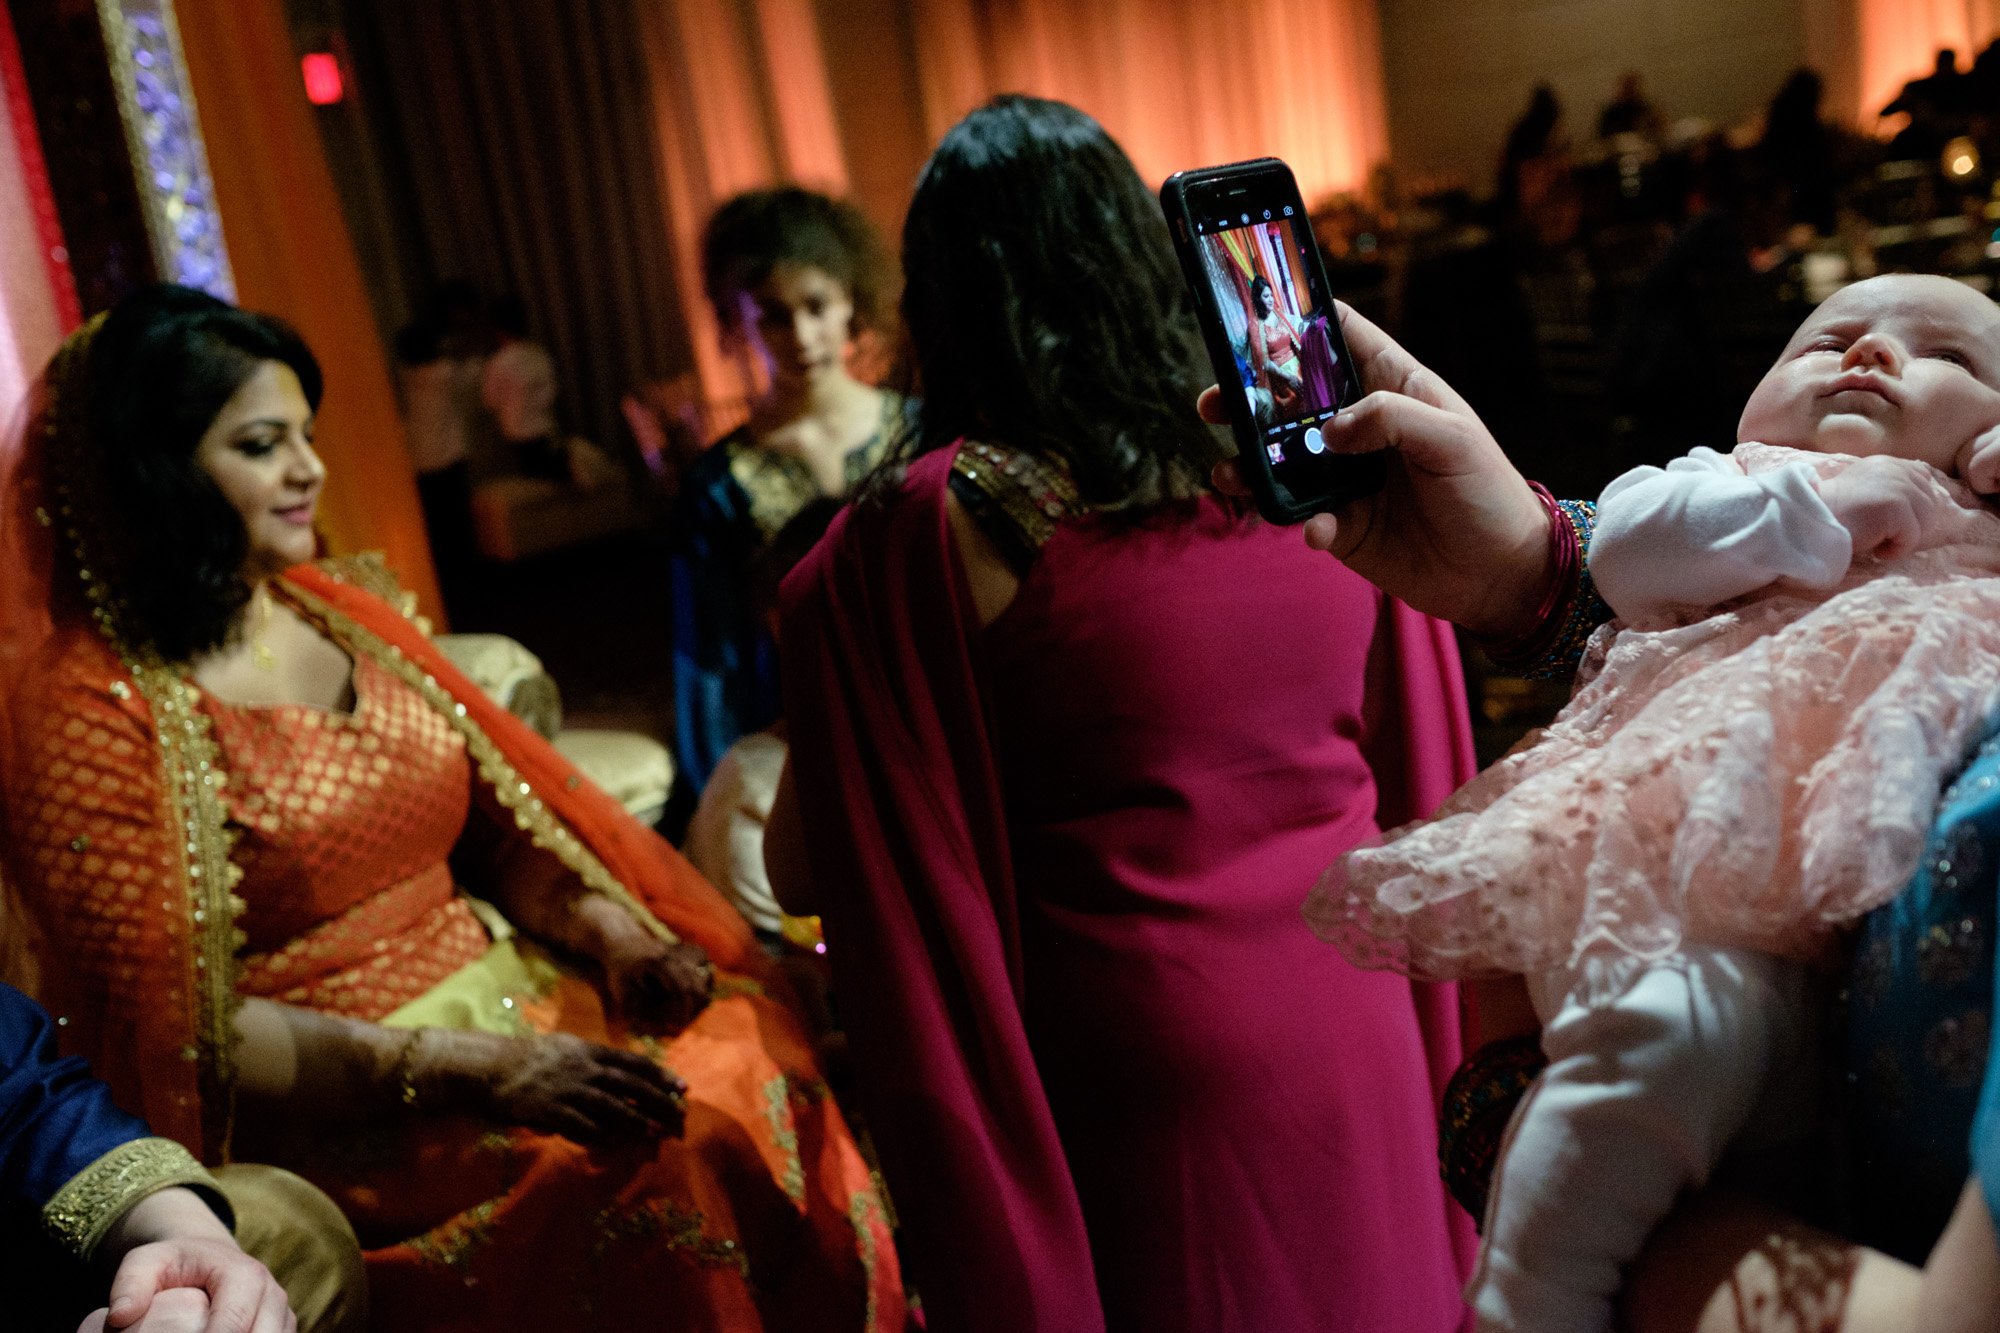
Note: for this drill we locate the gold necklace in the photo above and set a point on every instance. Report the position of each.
(261, 655)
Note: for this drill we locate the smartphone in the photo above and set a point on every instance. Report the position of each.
(1272, 332)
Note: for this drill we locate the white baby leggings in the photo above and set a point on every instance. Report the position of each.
(1654, 1068)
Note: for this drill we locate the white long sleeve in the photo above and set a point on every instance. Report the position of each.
(1699, 532)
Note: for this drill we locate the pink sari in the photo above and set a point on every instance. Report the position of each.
(1114, 1080)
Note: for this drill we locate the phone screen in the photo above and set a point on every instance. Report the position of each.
(1280, 326)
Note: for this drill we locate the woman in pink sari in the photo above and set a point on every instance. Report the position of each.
(1072, 736)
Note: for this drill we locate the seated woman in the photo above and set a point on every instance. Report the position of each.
(1274, 348)
(243, 793)
(1069, 734)
(794, 277)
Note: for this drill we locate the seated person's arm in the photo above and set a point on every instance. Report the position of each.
(1724, 1263)
(650, 975)
(109, 1193)
(1698, 533)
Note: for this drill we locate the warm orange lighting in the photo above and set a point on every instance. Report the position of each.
(323, 82)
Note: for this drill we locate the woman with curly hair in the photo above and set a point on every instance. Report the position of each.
(302, 894)
(794, 277)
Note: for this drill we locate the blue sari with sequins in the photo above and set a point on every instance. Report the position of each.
(1924, 1096)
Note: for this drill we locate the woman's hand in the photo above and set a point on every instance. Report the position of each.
(555, 1083)
(657, 984)
(1456, 532)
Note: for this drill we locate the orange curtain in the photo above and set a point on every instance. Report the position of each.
(1180, 83)
(291, 254)
(1899, 41)
(712, 64)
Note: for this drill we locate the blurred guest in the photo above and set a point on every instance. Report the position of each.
(1629, 112)
(519, 389)
(440, 394)
(792, 275)
(1535, 200)
(1061, 863)
(1717, 298)
(1937, 107)
(1797, 151)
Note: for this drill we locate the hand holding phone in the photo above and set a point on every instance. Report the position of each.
(1272, 333)
(1455, 532)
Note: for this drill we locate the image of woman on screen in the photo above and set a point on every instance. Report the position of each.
(1274, 348)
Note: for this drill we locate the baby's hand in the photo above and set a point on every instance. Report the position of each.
(1884, 503)
(1979, 467)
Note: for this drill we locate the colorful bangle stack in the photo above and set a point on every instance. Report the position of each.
(1478, 1103)
(1571, 609)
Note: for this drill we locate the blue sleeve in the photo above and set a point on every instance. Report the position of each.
(55, 1119)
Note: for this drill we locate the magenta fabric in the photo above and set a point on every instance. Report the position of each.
(1115, 1081)
(1319, 371)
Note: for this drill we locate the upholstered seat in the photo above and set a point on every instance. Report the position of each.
(635, 769)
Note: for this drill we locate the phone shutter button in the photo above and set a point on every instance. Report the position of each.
(1315, 442)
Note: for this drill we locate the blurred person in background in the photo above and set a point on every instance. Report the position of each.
(439, 387)
(793, 276)
(519, 388)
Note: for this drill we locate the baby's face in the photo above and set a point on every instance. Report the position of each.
(1906, 365)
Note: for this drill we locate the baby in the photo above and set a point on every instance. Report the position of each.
(1808, 631)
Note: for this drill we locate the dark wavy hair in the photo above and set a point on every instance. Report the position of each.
(754, 232)
(1269, 299)
(162, 366)
(1046, 310)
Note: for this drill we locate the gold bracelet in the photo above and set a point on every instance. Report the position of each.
(405, 1063)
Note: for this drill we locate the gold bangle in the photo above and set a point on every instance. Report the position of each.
(405, 1063)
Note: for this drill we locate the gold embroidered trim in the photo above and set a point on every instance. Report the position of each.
(863, 1211)
(785, 1133)
(97, 1196)
(1033, 495)
(682, 1230)
(190, 764)
(452, 1242)
(370, 572)
(531, 814)
(778, 485)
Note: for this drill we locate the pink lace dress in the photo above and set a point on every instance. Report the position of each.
(1755, 778)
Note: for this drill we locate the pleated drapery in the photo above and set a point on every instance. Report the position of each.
(1180, 83)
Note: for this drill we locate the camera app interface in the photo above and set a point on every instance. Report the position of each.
(1278, 327)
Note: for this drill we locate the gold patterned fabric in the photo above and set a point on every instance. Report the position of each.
(1032, 495)
(344, 822)
(96, 1197)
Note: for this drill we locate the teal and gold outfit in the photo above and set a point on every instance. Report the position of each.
(734, 500)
